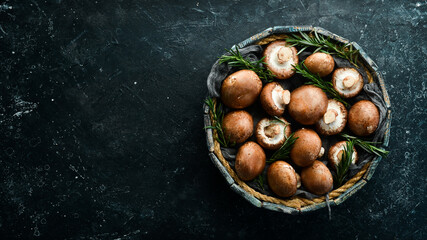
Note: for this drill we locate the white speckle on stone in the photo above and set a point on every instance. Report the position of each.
(52, 100)
(134, 83)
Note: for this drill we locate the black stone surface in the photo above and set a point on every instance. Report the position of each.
(101, 120)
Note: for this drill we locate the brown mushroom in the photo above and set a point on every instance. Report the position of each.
(336, 151)
(308, 104)
(320, 63)
(272, 133)
(347, 82)
(317, 178)
(238, 126)
(241, 89)
(250, 161)
(363, 118)
(279, 58)
(274, 98)
(282, 179)
(307, 148)
(334, 120)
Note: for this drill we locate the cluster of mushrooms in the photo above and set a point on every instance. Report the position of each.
(307, 105)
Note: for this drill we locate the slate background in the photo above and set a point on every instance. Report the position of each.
(101, 120)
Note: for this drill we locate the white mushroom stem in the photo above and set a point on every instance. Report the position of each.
(348, 82)
(284, 54)
(272, 130)
(321, 153)
(298, 180)
(330, 116)
(286, 97)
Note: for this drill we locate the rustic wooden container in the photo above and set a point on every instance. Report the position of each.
(297, 204)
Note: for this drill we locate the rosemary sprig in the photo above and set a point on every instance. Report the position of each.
(325, 45)
(342, 167)
(217, 117)
(238, 61)
(367, 146)
(283, 152)
(317, 81)
(260, 181)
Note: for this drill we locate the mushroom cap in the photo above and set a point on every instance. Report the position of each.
(279, 58)
(338, 124)
(320, 63)
(250, 161)
(238, 126)
(339, 79)
(317, 178)
(363, 118)
(271, 133)
(306, 148)
(282, 179)
(333, 154)
(241, 89)
(308, 104)
(274, 99)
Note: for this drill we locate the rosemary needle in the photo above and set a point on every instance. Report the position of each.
(342, 167)
(217, 117)
(367, 146)
(317, 81)
(237, 60)
(326, 45)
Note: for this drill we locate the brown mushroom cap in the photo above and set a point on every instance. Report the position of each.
(347, 82)
(306, 148)
(250, 161)
(320, 63)
(317, 178)
(274, 98)
(334, 120)
(279, 58)
(363, 118)
(282, 179)
(308, 104)
(271, 133)
(238, 126)
(241, 89)
(336, 151)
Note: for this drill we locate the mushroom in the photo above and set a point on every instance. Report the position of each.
(282, 179)
(274, 98)
(334, 120)
(307, 148)
(347, 82)
(308, 104)
(250, 161)
(363, 118)
(241, 89)
(272, 133)
(336, 151)
(237, 126)
(280, 57)
(317, 178)
(320, 63)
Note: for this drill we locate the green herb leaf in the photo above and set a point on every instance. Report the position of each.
(342, 168)
(367, 146)
(317, 81)
(237, 60)
(217, 117)
(284, 151)
(260, 181)
(325, 45)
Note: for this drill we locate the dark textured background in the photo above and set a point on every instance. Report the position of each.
(101, 120)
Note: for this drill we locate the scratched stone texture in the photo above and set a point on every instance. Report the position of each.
(101, 120)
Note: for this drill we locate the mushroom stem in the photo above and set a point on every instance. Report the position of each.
(349, 82)
(286, 97)
(339, 155)
(272, 130)
(321, 153)
(330, 116)
(284, 54)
